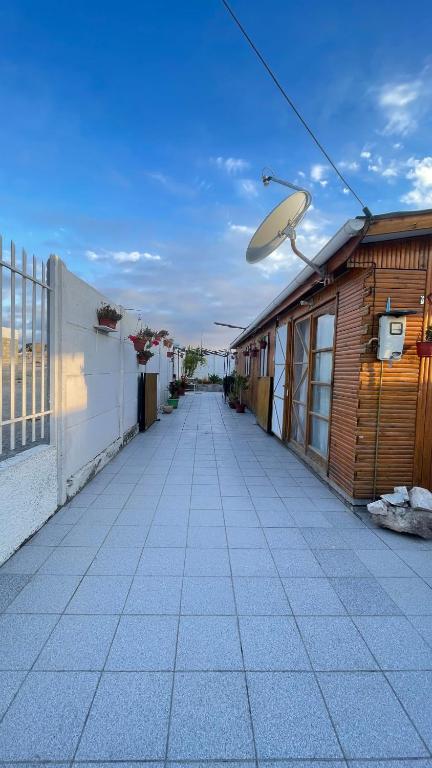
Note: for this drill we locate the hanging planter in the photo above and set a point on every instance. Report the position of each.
(168, 343)
(108, 316)
(170, 355)
(139, 344)
(263, 343)
(254, 352)
(144, 356)
(424, 348)
(246, 353)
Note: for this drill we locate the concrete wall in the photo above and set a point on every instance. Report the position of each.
(94, 400)
(28, 495)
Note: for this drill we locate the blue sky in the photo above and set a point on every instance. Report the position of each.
(133, 136)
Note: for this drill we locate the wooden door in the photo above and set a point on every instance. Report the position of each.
(279, 383)
(300, 381)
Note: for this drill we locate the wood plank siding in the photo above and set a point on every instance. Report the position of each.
(381, 414)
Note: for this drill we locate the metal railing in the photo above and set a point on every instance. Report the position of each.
(24, 358)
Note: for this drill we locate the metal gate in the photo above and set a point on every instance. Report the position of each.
(278, 409)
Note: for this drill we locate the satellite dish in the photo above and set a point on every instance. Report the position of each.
(278, 225)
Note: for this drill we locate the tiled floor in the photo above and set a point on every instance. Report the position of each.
(207, 599)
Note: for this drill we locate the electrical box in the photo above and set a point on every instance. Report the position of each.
(391, 336)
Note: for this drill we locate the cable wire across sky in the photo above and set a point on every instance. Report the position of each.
(294, 108)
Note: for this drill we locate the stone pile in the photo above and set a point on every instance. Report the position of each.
(404, 511)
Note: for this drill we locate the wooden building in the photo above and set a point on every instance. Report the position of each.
(362, 423)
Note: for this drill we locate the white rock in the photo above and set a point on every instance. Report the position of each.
(406, 520)
(420, 498)
(403, 490)
(378, 508)
(396, 499)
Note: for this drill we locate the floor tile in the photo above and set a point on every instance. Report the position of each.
(414, 690)
(285, 538)
(11, 585)
(272, 643)
(127, 536)
(364, 597)
(21, 639)
(312, 597)
(100, 594)
(9, 685)
(207, 596)
(85, 535)
(413, 596)
(423, 625)
(45, 720)
(78, 643)
(246, 538)
(300, 562)
(115, 561)
(260, 597)
(231, 502)
(167, 536)
(145, 643)
(241, 517)
(162, 561)
(420, 562)
(45, 594)
(289, 716)
(73, 561)
(252, 562)
(207, 562)
(26, 561)
(206, 517)
(208, 643)
(154, 595)
(50, 535)
(383, 562)
(334, 643)
(128, 719)
(210, 717)
(206, 537)
(394, 642)
(367, 716)
(341, 562)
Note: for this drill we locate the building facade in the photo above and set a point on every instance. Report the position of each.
(315, 379)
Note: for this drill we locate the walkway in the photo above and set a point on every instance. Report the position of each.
(295, 630)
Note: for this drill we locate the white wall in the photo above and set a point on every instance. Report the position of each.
(28, 495)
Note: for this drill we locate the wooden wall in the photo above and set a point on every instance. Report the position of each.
(401, 270)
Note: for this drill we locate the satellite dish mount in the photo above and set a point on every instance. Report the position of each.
(288, 231)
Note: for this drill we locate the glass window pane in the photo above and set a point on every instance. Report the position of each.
(298, 422)
(321, 400)
(319, 435)
(324, 331)
(300, 382)
(322, 369)
(301, 341)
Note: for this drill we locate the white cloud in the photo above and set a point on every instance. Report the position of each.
(231, 165)
(241, 228)
(122, 257)
(365, 154)
(404, 102)
(318, 173)
(349, 165)
(420, 174)
(247, 188)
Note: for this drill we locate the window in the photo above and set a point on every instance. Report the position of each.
(300, 381)
(321, 381)
(263, 358)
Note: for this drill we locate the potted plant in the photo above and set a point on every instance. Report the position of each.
(108, 315)
(240, 385)
(168, 343)
(170, 355)
(144, 356)
(246, 352)
(262, 342)
(424, 348)
(143, 340)
(254, 351)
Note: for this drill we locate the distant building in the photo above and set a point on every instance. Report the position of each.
(6, 344)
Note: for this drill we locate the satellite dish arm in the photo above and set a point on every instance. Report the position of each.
(319, 270)
(267, 179)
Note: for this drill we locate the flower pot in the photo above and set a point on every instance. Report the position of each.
(263, 344)
(232, 404)
(139, 345)
(170, 355)
(240, 407)
(107, 322)
(181, 391)
(246, 353)
(254, 353)
(143, 357)
(173, 401)
(167, 408)
(424, 348)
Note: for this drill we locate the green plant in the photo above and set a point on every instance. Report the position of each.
(214, 379)
(194, 357)
(146, 338)
(241, 383)
(107, 312)
(428, 334)
(174, 387)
